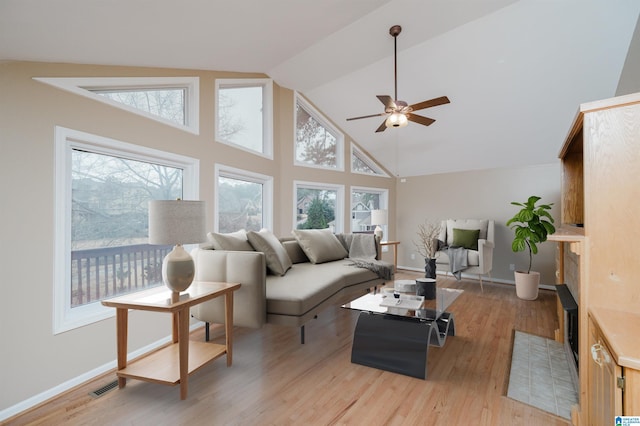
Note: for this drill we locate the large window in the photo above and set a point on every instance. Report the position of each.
(318, 206)
(169, 100)
(318, 144)
(243, 201)
(363, 201)
(103, 188)
(244, 114)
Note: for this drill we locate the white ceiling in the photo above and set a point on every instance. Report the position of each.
(515, 70)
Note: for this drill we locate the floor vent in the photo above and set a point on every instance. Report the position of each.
(106, 388)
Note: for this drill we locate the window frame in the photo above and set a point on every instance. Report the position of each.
(357, 152)
(83, 86)
(384, 202)
(66, 140)
(320, 118)
(267, 112)
(240, 174)
(339, 207)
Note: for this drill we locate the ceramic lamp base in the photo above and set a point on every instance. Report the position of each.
(378, 233)
(178, 269)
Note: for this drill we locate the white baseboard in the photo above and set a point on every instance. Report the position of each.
(81, 379)
(475, 277)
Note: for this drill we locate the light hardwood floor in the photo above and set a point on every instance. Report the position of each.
(275, 380)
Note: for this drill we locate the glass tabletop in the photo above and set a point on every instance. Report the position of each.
(406, 304)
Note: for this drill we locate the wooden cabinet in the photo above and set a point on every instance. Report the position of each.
(605, 380)
(572, 212)
(600, 223)
(614, 366)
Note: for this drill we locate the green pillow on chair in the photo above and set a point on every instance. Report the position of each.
(467, 238)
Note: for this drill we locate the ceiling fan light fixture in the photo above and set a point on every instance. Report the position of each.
(396, 120)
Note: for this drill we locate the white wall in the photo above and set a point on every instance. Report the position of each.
(484, 194)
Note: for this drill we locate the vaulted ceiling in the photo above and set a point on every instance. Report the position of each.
(514, 70)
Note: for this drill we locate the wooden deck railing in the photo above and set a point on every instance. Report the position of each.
(106, 272)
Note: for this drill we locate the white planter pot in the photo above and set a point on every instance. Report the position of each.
(527, 285)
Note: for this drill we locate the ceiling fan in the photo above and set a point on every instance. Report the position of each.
(399, 112)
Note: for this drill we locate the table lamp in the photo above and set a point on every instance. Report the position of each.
(378, 218)
(177, 222)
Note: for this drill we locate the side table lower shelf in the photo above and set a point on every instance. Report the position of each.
(163, 366)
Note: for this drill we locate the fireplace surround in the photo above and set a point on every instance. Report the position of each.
(571, 320)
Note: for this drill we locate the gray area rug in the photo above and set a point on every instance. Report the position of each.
(540, 375)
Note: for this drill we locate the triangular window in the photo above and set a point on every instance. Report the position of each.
(170, 100)
(318, 143)
(361, 163)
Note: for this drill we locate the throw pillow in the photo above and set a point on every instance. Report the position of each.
(276, 256)
(481, 224)
(236, 241)
(295, 252)
(467, 238)
(320, 245)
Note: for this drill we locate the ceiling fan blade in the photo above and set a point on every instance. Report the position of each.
(387, 101)
(382, 127)
(420, 119)
(430, 103)
(366, 116)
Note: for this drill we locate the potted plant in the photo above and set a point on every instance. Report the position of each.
(531, 225)
(427, 246)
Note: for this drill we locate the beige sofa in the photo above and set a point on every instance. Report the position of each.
(291, 297)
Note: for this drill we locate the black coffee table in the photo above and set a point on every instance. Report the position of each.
(395, 336)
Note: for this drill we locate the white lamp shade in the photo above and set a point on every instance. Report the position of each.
(396, 120)
(379, 217)
(176, 222)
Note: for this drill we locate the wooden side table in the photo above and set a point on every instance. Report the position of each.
(172, 364)
(394, 244)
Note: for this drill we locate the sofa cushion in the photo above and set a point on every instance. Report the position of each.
(235, 241)
(278, 261)
(481, 224)
(320, 245)
(307, 285)
(295, 252)
(467, 238)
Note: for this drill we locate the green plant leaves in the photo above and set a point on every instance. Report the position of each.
(531, 226)
(518, 245)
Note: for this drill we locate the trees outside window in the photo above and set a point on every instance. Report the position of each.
(318, 206)
(110, 197)
(244, 114)
(361, 163)
(103, 189)
(318, 144)
(166, 103)
(170, 100)
(244, 200)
